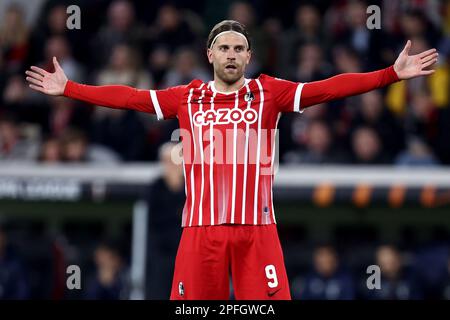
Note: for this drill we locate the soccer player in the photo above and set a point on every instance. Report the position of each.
(228, 133)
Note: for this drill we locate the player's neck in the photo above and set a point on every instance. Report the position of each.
(222, 86)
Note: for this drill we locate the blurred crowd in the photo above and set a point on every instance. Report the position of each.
(373, 271)
(389, 274)
(159, 44)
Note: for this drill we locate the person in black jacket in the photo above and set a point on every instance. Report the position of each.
(166, 198)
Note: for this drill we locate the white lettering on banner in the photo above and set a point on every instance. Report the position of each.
(37, 189)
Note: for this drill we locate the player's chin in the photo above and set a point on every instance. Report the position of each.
(231, 76)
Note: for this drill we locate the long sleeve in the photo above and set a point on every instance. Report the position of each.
(113, 96)
(345, 85)
(163, 103)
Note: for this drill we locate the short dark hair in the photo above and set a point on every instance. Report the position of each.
(228, 25)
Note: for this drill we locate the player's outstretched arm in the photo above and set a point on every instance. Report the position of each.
(350, 84)
(113, 96)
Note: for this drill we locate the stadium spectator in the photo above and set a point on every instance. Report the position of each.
(367, 147)
(328, 280)
(319, 147)
(185, 69)
(52, 23)
(373, 46)
(110, 281)
(63, 114)
(396, 283)
(166, 199)
(310, 64)
(172, 30)
(159, 60)
(122, 27)
(421, 120)
(124, 68)
(374, 114)
(417, 154)
(14, 38)
(14, 145)
(76, 148)
(306, 29)
(50, 151)
(15, 93)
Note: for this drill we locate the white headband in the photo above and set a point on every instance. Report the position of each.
(229, 31)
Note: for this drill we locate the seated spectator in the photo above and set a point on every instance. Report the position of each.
(422, 118)
(396, 283)
(307, 28)
(367, 148)
(327, 281)
(64, 113)
(319, 147)
(14, 37)
(110, 281)
(172, 30)
(311, 65)
(50, 152)
(122, 26)
(14, 283)
(14, 94)
(124, 68)
(77, 149)
(159, 64)
(373, 113)
(186, 68)
(417, 154)
(14, 146)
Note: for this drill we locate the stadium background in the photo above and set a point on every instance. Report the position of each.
(61, 200)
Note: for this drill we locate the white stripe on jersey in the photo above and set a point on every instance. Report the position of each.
(156, 105)
(193, 158)
(271, 166)
(211, 171)
(185, 209)
(244, 194)
(261, 105)
(298, 94)
(200, 139)
(233, 192)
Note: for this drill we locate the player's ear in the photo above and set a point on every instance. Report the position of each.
(209, 54)
(249, 56)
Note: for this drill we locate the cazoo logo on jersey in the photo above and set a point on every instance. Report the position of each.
(224, 116)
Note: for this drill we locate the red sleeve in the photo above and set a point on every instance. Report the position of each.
(345, 85)
(163, 103)
(285, 94)
(294, 97)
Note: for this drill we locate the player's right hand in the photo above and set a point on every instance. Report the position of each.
(46, 82)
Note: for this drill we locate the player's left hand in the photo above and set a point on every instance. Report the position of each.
(408, 67)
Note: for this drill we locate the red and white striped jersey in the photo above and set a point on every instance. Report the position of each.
(229, 138)
(228, 147)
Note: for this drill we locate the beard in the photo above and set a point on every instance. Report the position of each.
(229, 76)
